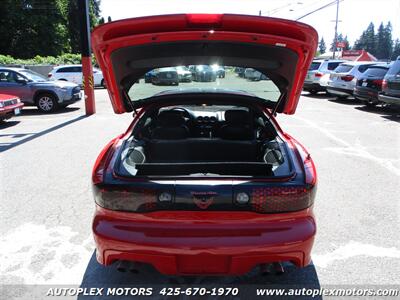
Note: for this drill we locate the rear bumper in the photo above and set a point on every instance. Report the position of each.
(366, 94)
(215, 243)
(310, 86)
(9, 111)
(389, 99)
(339, 91)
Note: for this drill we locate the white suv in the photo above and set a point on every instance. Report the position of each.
(74, 74)
(344, 78)
(317, 70)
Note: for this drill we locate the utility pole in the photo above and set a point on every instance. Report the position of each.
(88, 84)
(336, 23)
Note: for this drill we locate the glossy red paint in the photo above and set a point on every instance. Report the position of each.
(9, 105)
(298, 37)
(213, 243)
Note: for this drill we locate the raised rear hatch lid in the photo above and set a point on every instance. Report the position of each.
(281, 49)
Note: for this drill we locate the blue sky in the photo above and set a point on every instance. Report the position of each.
(354, 15)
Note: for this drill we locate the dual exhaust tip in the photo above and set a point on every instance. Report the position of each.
(125, 266)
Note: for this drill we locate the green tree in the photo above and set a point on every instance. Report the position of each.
(32, 27)
(396, 49)
(322, 46)
(367, 40)
(72, 19)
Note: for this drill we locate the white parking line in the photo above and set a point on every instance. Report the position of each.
(353, 249)
(356, 150)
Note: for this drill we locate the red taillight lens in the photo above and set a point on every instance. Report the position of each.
(318, 75)
(281, 199)
(204, 20)
(347, 78)
(377, 82)
(49, 75)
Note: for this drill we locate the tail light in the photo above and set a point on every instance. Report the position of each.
(384, 84)
(318, 75)
(377, 82)
(282, 199)
(49, 75)
(347, 78)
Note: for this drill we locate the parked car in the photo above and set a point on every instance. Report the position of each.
(36, 90)
(219, 71)
(254, 75)
(148, 77)
(74, 74)
(343, 79)
(190, 198)
(167, 76)
(317, 70)
(9, 106)
(204, 73)
(239, 71)
(369, 84)
(391, 85)
(184, 74)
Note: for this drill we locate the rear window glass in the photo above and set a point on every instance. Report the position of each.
(394, 69)
(314, 66)
(333, 65)
(376, 71)
(343, 68)
(363, 68)
(195, 78)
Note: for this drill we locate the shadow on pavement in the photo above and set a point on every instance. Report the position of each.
(321, 95)
(99, 276)
(388, 112)
(347, 101)
(33, 111)
(6, 124)
(7, 146)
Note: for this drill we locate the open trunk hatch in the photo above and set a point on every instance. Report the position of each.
(280, 49)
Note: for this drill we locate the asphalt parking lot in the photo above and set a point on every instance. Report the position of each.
(46, 203)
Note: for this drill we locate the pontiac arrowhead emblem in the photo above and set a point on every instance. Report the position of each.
(203, 199)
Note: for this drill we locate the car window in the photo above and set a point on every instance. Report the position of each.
(78, 69)
(363, 68)
(376, 71)
(333, 65)
(343, 68)
(314, 66)
(394, 69)
(31, 75)
(10, 77)
(65, 70)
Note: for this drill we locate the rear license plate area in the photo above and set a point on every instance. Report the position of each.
(203, 264)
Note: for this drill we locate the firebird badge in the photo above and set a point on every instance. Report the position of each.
(203, 199)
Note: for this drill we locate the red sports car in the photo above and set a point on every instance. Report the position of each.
(9, 106)
(204, 181)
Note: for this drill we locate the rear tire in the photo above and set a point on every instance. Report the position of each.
(103, 84)
(313, 92)
(46, 102)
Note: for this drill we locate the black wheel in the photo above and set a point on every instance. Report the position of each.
(103, 84)
(370, 103)
(46, 102)
(313, 92)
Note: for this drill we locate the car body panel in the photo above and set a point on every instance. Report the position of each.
(391, 87)
(9, 106)
(277, 34)
(370, 84)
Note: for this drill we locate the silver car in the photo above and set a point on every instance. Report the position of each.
(36, 90)
(318, 69)
(344, 78)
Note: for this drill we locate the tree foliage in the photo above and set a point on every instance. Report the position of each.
(42, 27)
(322, 46)
(379, 44)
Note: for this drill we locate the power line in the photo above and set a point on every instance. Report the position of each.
(318, 9)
